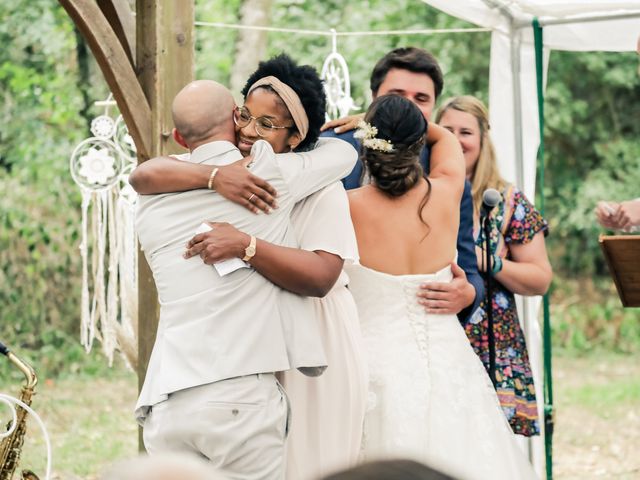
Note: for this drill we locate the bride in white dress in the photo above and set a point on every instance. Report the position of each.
(430, 399)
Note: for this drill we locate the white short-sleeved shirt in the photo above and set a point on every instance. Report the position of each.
(322, 221)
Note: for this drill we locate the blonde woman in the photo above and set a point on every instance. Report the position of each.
(519, 260)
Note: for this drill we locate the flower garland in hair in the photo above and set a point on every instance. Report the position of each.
(366, 133)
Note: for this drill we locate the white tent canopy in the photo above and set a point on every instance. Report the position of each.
(575, 25)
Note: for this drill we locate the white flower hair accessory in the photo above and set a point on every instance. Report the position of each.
(366, 133)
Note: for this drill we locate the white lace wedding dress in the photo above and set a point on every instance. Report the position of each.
(430, 398)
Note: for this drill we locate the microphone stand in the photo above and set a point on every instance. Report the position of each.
(489, 271)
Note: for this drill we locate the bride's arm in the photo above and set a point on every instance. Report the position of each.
(234, 182)
(447, 160)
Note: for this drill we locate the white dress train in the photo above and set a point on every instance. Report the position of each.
(430, 399)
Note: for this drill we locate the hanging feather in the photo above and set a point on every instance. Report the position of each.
(100, 166)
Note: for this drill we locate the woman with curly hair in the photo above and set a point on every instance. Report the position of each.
(284, 104)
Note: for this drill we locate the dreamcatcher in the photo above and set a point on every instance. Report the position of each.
(101, 165)
(337, 86)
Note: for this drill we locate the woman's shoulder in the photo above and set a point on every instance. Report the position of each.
(357, 194)
(360, 201)
(524, 219)
(516, 198)
(327, 197)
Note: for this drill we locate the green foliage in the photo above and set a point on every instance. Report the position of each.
(586, 315)
(592, 149)
(591, 135)
(39, 205)
(463, 58)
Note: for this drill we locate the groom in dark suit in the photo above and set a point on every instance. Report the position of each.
(415, 74)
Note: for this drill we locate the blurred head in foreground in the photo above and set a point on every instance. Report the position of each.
(164, 467)
(390, 470)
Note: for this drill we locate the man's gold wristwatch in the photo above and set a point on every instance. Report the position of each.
(250, 251)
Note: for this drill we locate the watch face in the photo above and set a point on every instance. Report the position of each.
(250, 251)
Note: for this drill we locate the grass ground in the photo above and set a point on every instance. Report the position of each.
(597, 433)
(597, 417)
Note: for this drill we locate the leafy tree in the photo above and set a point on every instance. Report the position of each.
(591, 135)
(48, 82)
(42, 118)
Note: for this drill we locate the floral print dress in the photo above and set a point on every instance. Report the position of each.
(514, 220)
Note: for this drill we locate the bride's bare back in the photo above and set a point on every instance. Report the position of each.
(394, 234)
(391, 236)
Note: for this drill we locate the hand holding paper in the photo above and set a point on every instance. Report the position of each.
(220, 249)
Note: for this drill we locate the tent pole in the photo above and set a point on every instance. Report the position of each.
(516, 42)
(515, 45)
(546, 332)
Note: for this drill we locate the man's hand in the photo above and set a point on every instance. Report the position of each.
(605, 212)
(446, 298)
(619, 216)
(628, 214)
(344, 124)
(236, 183)
(222, 242)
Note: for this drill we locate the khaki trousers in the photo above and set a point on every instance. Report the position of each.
(240, 425)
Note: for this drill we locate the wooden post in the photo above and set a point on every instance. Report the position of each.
(164, 52)
(164, 64)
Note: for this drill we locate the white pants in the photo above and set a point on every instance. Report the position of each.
(240, 425)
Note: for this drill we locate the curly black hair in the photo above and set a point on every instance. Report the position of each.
(305, 81)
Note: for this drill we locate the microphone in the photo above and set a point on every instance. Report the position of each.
(490, 198)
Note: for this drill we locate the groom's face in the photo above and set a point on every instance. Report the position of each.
(415, 87)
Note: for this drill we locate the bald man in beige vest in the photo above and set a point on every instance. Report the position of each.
(210, 387)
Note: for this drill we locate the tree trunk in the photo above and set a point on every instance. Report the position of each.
(251, 45)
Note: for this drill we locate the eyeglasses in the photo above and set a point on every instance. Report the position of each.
(264, 127)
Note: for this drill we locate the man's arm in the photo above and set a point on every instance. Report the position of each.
(463, 294)
(467, 252)
(352, 180)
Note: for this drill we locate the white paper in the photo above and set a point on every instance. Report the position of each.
(226, 266)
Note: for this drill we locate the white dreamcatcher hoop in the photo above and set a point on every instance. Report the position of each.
(100, 165)
(337, 85)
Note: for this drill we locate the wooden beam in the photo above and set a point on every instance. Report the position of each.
(116, 68)
(165, 60)
(123, 22)
(165, 64)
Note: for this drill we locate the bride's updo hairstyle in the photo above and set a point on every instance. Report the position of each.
(395, 169)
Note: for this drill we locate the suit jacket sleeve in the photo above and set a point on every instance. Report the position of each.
(352, 180)
(467, 252)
